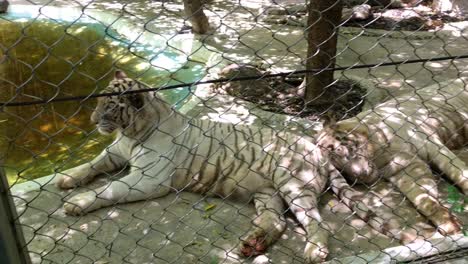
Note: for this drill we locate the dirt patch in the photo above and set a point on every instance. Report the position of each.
(285, 96)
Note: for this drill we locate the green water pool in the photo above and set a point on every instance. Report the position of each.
(44, 58)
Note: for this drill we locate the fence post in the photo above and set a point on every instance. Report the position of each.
(12, 244)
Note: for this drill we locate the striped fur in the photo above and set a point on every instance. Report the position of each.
(400, 138)
(167, 151)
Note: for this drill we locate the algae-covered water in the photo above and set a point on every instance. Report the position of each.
(44, 59)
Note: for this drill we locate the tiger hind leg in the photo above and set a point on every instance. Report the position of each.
(413, 177)
(268, 225)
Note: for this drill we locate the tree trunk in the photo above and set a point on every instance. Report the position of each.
(194, 13)
(3, 6)
(322, 24)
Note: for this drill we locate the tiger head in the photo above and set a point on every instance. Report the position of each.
(118, 112)
(350, 152)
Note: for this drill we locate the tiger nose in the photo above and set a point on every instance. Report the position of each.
(106, 116)
(94, 118)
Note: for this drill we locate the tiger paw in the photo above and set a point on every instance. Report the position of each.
(362, 211)
(66, 182)
(463, 184)
(74, 177)
(253, 246)
(315, 252)
(451, 227)
(445, 222)
(81, 203)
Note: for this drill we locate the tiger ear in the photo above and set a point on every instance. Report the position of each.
(119, 75)
(329, 123)
(327, 132)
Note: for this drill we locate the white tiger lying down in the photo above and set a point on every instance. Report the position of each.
(399, 138)
(168, 151)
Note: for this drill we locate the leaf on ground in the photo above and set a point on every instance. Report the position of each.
(222, 234)
(209, 207)
(194, 243)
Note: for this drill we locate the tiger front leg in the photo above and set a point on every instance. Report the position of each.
(107, 161)
(268, 225)
(133, 187)
(350, 197)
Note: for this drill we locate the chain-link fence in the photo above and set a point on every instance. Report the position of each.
(256, 131)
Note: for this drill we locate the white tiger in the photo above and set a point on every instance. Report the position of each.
(399, 138)
(167, 151)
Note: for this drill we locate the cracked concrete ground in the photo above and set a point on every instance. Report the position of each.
(184, 228)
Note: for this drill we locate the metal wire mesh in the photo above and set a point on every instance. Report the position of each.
(204, 144)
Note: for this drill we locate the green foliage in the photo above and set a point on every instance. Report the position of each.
(208, 209)
(214, 260)
(456, 199)
(458, 202)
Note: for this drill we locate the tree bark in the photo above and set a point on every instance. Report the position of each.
(322, 24)
(194, 13)
(4, 6)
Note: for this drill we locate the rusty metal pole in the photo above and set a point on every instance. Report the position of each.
(12, 244)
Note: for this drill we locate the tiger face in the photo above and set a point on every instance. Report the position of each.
(351, 153)
(117, 112)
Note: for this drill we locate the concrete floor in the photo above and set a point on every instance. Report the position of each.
(181, 228)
